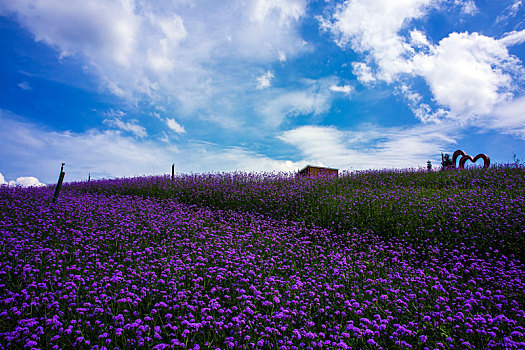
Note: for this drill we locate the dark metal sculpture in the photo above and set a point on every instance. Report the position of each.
(464, 158)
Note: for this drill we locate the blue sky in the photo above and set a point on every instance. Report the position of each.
(128, 87)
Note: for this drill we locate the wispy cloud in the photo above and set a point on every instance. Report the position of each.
(25, 86)
(264, 81)
(185, 52)
(131, 125)
(468, 7)
(173, 125)
(314, 99)
(508, 118)
(513, 38)
(108, 154)
(510, 11)
(370, 146)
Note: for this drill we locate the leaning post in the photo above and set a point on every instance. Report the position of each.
(59, 184)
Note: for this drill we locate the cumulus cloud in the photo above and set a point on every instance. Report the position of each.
(468, 74)
(372, 27)
(173, 125)
(24, 181)
(418, 39)
(265, 80)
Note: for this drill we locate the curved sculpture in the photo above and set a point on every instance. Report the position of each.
(486, 160)
(455, 156)
(465, 157)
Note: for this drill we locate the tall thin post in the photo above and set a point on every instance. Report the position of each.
(89, 177)
(173, 172)
(59, 184)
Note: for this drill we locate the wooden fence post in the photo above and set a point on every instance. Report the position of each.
(59, 184)
(173, 172)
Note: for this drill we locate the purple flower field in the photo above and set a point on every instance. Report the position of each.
(371, 260)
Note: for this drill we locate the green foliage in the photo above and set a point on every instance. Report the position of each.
(449, 207)
(446, 160)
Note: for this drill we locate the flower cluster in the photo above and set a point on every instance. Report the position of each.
(106, 268)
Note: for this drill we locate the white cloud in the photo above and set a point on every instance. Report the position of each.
(467, 73)
(173, 31)
(372, 27)
(282, 56)
(313, 99)
(194, 58)
(413, 97)
(418, 39)
(346, 89)
(173, 125)
(320, 145)
(421, 110)
(508, 118)
(130, 126)
(184, 54)
(286, 11)
(164, 138)
(265, 80)
(215, 159)
(108, 154)
(468, 7)
(513, 38)
(28, 181)
(91, 28)
(369, 147)
(510, 11)
(24, 181)
(363, 72)
(225, 121)
(25, 86)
